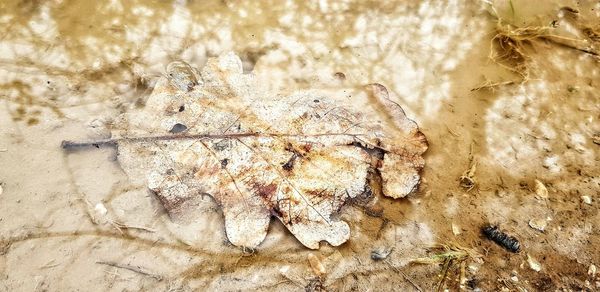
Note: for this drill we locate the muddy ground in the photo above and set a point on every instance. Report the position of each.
(522, 126)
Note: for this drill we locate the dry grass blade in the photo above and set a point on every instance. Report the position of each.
(406, 277)
(120, 226)
(508, 47)
(448, 255)
(131, 268)
(511, 44)
(492, 85)
(441, 253)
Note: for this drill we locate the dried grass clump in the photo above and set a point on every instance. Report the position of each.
(509, 47)
(512, 45)
(450, 255)
(442, 253)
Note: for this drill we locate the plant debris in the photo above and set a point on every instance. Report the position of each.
(316, 265)
(443, 252)
(315, 285)
(538, 224)
(533, 263)
(135, 269)
(467, 179)
(295, 157)
(512, 44)
(449, 255)
(596, 139)
(455, 229)
(540, 190)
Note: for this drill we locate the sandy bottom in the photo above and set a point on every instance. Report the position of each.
(74, 221)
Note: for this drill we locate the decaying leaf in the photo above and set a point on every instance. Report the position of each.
(297, 157)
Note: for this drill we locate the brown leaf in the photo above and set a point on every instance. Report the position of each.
(296, 157)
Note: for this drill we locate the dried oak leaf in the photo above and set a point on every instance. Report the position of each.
(297, 157)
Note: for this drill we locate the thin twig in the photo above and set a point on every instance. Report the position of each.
(452, 132)
(120, 225)
(50, 264)
(492, 85)
(68, 145)
(405, 276)
(447, 264)
(131, 268)
(410, 281)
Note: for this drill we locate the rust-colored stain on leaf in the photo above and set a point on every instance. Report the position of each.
(296, 157)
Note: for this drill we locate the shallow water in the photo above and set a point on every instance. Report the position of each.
(68, 68)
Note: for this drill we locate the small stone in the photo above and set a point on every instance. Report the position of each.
(592, 271)
(455, 229)
(514, 278)
(1, 189)
(587, 199)
(538, 224)
(100, 209)
(533, 263)
(380, 253)
(540, 190)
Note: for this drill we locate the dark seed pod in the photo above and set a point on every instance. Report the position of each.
(508, 242)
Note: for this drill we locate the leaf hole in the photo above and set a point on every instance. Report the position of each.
(178, 128)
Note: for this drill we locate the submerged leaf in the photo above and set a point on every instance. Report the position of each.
(296, 157)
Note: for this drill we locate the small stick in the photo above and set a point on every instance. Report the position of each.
(67, 145)
(120, 225)
(50, 264)
(131, 268)
(110, 142)
(490, 85)
(405, 276)
(410, 281)
(447, 264)
(452, 132)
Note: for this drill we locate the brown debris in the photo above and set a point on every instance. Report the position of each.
(131, 268)
(467, 179)
(316, 265)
